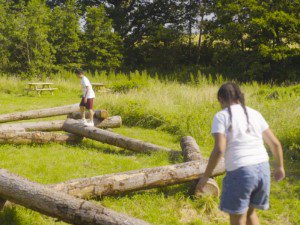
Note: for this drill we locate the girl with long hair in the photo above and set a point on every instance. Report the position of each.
(239, 133)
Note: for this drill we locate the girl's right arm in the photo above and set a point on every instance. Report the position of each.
(276, 149)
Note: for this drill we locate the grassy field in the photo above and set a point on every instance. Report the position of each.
(160, 112)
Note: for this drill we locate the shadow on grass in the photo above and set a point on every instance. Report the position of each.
(8, 216)
(86, 145)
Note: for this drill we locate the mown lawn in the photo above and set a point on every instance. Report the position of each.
(161, 113)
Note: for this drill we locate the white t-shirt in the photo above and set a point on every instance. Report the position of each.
(85, 83)
(243, 148)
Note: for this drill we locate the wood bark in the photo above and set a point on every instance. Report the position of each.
(98, 114)
(110, 122)
(104, 136)
(191, 152)
(53, 125)
(190, 149)
(56, 125)
(10, 130)
(40, 113)
(37, 137)
(59, 205)
(136, 179)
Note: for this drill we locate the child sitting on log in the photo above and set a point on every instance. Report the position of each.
(87, 100)
(239, 133)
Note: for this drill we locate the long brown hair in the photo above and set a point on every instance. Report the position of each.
(231, 92)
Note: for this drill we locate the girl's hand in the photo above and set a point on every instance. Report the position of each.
(202, 182)
(85, 100)
(279, 173)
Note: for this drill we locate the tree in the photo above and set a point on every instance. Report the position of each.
(4, 40)
(29, 48)
(65, 35)
(255, 38)
(102, 45)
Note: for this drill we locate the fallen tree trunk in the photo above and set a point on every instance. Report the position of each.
(98, 114)
(190, 149)
(11, 130)
(37, 137)
(59, 205)
(191, 152)
(40, 113)
(56, 125)
(75, 127)
(136, 179)
(110, 122)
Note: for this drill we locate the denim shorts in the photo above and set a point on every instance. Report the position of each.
(246, 187)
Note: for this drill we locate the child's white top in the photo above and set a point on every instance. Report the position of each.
(86, 83)
(243, 148)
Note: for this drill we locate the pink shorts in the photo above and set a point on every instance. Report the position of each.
(88, 104)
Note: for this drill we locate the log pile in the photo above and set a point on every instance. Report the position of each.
(63, 200)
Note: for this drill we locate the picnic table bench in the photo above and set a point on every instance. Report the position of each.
(40, 87)
(98, 86)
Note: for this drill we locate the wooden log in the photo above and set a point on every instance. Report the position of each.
(11, 130)
(75, 127)
(110, 122)
(191, 152)
(136, 179)
(56, 125)
(59, 205)
(98, 114)
(40, 113)
(53, 125)
(37, 137)
(190, 149)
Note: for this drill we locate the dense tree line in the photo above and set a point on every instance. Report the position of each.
(244, 39)
(36, 39)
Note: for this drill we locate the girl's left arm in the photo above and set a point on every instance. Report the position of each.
(215, 156)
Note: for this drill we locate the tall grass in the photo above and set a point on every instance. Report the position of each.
(161, 112)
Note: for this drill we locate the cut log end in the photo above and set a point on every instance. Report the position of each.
(211, 188)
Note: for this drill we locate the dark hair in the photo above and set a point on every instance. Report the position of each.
(78, 71)
(231, 92)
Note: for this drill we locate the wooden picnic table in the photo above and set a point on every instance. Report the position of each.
(98, 86)
(40, 86)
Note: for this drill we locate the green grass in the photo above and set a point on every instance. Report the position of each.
(161, 113)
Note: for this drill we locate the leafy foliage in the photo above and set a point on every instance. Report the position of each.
(65, 35)
(241, 39)
(101, 45)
